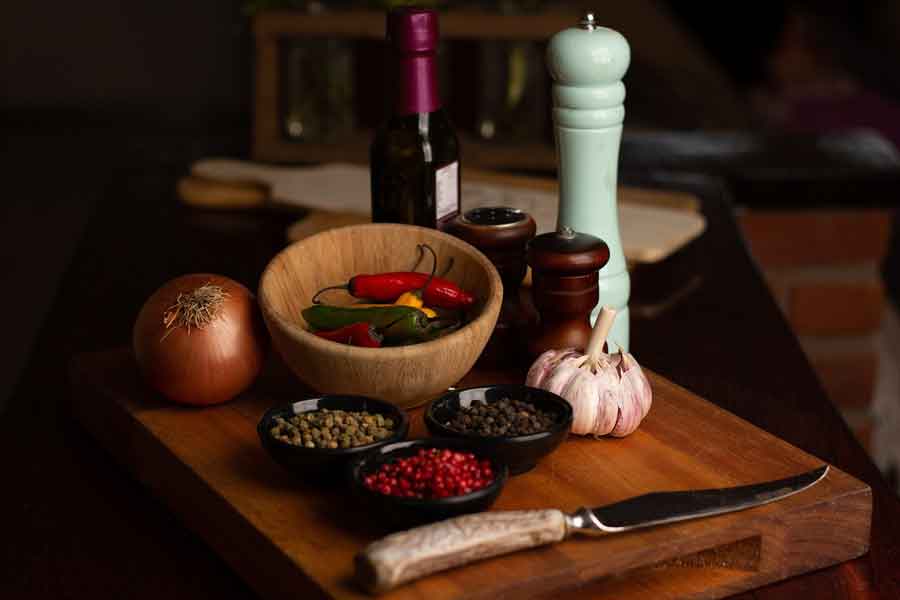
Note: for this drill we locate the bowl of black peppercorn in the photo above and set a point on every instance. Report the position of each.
(514, 424)
(345, 428)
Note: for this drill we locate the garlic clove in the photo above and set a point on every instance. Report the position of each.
(634, 380)
(629, 415)
(581, 393)
(592, 396)
(545, 364)
(562, 375)
(606, 391)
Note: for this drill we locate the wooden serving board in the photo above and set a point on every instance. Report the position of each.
(654, 223)
(292, 538)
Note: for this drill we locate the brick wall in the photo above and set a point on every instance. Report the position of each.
(823, 269)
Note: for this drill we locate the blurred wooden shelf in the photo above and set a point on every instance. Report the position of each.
(271, 27)
(656, 39)
(455, 24)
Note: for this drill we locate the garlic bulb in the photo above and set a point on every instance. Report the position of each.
(609, 393)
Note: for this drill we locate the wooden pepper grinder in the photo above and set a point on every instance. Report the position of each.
(587, 63)
(564, 267)
(501, 233)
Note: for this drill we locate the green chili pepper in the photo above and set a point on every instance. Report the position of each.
(399, 324)
(322, 316)
(413, 331)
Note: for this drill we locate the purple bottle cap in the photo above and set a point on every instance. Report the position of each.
(413, 30)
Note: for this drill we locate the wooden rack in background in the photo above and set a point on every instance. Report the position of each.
(655, 39)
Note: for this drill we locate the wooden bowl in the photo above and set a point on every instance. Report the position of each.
(406, 375)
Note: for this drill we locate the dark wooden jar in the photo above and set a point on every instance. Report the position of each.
(564, 267)
(501, 234)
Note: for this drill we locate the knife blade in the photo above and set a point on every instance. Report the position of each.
(659, 508)
(408, 555)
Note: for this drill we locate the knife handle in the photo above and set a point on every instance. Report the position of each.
(407, 555)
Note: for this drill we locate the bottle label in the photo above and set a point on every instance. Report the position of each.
(446, 193)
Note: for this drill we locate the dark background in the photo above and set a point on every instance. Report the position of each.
(188, 64)
(93, 86)
(165, 64)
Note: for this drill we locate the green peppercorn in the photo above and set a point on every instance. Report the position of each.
(332, 428)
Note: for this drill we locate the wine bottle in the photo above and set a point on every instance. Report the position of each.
(415, 154)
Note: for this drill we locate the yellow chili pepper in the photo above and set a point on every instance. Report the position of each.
(410, 299)
(413, 299)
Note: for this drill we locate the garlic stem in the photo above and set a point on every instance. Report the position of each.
(598, 334)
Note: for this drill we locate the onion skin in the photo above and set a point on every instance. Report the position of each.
(200, 366)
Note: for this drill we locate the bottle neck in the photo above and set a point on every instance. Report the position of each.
(417, 89)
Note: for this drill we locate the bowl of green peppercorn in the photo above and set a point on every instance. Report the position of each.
(516, 424)
(324, 434)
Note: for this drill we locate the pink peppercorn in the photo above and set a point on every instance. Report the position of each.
(431, 473)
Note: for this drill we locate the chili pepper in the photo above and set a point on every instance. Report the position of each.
(414, 298)
(358, 334)
(388, 287)
(410, 330)
(398, 324)
(411, 299)
(322, 316)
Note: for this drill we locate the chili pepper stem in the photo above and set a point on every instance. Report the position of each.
(448, 268)
(419, 258)
(315, 299)
(421, 291)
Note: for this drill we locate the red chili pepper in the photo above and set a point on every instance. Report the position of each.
(357, 334)
(387, 287)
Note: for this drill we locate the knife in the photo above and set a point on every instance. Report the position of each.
(407, 555)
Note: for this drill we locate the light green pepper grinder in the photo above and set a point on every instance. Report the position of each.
(587, 63)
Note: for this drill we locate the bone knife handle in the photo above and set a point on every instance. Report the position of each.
(407, 555)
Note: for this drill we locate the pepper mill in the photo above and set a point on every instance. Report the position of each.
(501, 233)
(564, 267)
(587, 63)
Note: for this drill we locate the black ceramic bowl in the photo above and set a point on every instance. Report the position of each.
(409, 512)
(327, 461)
(520, 453)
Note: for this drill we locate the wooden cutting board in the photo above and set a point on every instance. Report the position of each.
(291, 538)
(654, 223)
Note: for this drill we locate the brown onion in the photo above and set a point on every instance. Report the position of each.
(199, 339)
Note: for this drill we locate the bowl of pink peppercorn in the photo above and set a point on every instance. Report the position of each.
(421, 481)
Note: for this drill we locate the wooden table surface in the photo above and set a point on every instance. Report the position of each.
(76, 524)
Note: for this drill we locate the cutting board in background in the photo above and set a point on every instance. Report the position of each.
(291, 537)
(654, 224)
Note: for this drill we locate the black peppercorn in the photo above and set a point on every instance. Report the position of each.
(505, 417)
